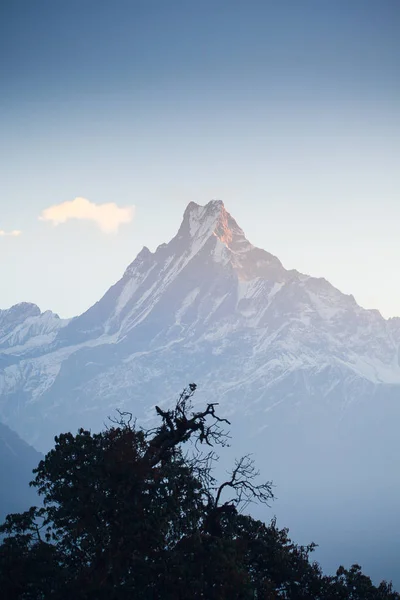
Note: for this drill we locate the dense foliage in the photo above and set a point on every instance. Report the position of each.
(129, 513)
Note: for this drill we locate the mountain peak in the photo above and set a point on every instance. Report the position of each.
(22, 310)
(197, 215)
(212, 229)
(211, 206)
(200, 222)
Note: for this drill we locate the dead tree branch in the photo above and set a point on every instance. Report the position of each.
(179, 425)
(242, 482)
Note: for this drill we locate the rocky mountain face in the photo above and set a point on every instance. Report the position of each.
(310, 379)
(24, 327)
(210, 307)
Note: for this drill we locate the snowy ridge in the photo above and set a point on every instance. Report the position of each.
(24, 326)
(309, 379)
(209, 304)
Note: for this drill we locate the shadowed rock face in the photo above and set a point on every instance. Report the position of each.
(17, 459)
(310, 379)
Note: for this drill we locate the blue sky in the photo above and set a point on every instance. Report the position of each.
(288, 111)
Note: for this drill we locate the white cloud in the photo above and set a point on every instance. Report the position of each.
(108, 217)
(14, 233)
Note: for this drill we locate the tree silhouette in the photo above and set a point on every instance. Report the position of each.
(138, 514)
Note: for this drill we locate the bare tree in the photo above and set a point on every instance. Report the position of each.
(178, 427)
(243, 484)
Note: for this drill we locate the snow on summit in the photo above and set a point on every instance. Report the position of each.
(207, 305)
(309, 379)
(24, 326)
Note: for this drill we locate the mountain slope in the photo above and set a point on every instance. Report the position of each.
(208, 306)
(17, 459)
(310, 379)
(23, 328)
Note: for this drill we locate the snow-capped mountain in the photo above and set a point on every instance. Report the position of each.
(24, 327)
(310, 379)
(207, 306)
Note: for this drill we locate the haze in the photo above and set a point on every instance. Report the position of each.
(289, 112)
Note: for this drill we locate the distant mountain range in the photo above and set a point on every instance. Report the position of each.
(17, 460)
(310, 379)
